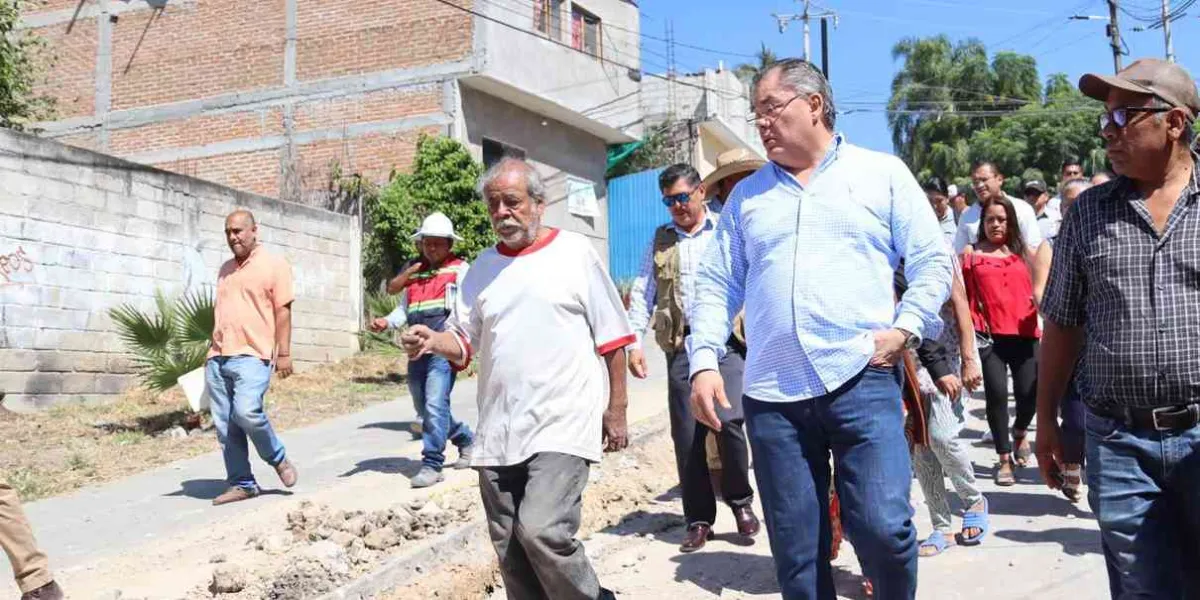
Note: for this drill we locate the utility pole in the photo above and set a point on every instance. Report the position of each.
(1114, 34)
(825, 47)
(807, 16)
(1166, 21)
(1112, 31)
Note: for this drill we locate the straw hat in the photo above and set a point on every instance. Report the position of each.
(732, 162)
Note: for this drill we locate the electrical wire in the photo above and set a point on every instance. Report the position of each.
(559, 43)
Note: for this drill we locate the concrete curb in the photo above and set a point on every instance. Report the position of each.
(471, 536)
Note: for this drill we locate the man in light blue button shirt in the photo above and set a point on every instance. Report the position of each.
(809, 244)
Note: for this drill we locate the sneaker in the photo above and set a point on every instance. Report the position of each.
(426, 477)
(464, 457)
(235, 494)
(50, 591)
(287, 473)
(416, 428)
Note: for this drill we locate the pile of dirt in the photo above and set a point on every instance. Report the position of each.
(320, 548)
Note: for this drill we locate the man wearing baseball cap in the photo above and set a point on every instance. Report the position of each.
(1124, 279)
(428, 287)
(1038, 196)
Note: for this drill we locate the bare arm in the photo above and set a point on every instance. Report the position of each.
(1039, 269)
(401, 281)
(283, 340)
(972, 374)
(616, 435)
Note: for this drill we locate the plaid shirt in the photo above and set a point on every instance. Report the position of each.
(1135, 293)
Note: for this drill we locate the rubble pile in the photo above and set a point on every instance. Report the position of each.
(323, 548)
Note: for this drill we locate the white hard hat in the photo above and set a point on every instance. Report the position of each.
(952, 191)
(436, 225)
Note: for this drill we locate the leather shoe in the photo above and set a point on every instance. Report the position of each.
(747, 523)
(235, 494)
(287, 473)
(697, 535)
(50, 591)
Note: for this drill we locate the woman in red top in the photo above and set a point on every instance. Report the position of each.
(1000, 291)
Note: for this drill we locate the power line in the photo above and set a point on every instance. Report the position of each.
(559, 43)
(647, 36)
(1047, 23)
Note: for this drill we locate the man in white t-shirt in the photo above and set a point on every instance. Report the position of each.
(544, 321)
(988, 183)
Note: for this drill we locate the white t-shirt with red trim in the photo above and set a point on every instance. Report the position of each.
(537, 322)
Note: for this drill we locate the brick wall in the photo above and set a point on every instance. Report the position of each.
(216, 91)
(81, 232)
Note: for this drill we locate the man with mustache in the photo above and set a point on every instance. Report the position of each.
(543, 319)
(809, 245)
(1124, 279)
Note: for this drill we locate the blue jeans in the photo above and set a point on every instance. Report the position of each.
(430, 381)
(1143, 486)
(863, 424)
(1073, 412)
(237, 385)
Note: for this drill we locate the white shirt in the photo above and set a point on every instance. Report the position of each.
(644, 292)
(968, 226)
(537, 324)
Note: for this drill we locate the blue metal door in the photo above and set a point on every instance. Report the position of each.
(635, 210)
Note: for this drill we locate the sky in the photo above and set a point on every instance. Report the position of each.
(861, 66)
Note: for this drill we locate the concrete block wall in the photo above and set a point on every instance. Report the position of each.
(82, 232)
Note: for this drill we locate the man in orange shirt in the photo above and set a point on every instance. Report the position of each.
(253, 332)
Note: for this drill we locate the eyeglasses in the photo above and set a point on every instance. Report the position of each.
(773, 111)
(680, 198)
(1119, 117)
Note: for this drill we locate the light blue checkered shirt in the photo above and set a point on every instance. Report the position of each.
(814, 265)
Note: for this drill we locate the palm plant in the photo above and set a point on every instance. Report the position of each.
(379, 304)
(170, 342)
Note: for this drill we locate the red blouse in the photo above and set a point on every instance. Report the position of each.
(1006, 289)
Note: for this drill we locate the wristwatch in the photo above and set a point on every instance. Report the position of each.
(910, 341)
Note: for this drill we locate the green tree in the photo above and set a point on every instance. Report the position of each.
(22, 62)
(951, 105)
(1033, 142)
(443, 179)
(747, 71)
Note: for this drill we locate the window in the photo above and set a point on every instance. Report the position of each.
(585, 31)
(547, 18)
(494, 150)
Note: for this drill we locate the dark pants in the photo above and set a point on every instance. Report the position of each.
(863, 424)
(1073, 413)
(1018, 354)
(430, 381)
(1143, 486)
(533, 512)
(689, 435)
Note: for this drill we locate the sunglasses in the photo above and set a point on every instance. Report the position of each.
(681, 198)
(1119, 117)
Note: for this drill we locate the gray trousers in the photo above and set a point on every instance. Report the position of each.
(944, 456)
(533, 511)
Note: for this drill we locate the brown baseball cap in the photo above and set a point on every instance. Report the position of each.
(1165, 80)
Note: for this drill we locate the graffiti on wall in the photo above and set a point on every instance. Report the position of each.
(14, 263)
